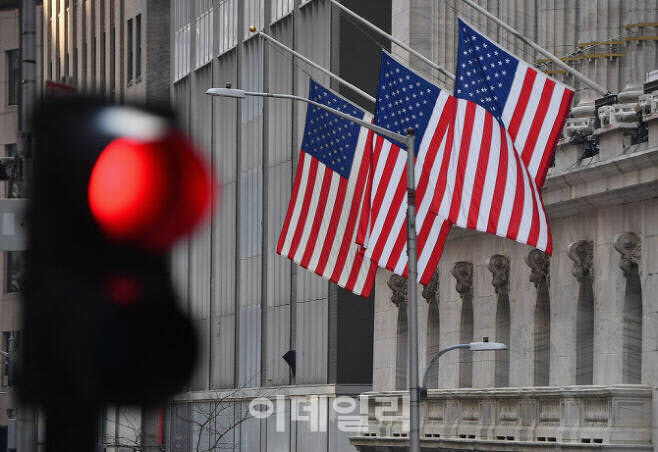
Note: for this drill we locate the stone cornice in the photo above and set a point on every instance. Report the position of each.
(531, 391)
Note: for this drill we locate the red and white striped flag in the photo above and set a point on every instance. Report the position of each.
(532, 106)
(319, 232)
(405, 99)
(483, 183)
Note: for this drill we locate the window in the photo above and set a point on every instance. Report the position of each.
(6, 341)
(130, 51)
(13, 76)
(138, 46)
(93, 63)
(112, 62)
(10, 170)
(14, 271)
(103, 61)
(75, 64)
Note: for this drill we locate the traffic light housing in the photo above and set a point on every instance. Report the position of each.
(113, 188)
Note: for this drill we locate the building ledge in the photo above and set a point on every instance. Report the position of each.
(613, 418)
(326, 390)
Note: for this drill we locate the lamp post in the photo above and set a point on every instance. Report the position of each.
(483, 346)
(408, 139)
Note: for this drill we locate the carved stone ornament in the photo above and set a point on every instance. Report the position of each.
(629, 246)
(539, 263)
(398, 285)
(431, 291)
(499, 266)
(581, 253)
(463, 273)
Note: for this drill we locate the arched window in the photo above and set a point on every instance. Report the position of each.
(628, 244)
(539, 264)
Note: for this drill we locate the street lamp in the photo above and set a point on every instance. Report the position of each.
(483, 346)
(408, 139)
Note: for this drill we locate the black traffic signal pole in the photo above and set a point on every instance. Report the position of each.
(72, 426)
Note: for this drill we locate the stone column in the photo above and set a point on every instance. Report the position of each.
(399, 298)
(432, 333)
(539, 263)
(630, 307)
(499, 266)
(580, 252)
(463, 273)
(385, 330)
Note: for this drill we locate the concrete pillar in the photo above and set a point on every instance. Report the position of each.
(609, 286)
(384, 341)
(564, 295)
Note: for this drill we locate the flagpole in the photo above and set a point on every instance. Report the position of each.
(339, 79)
(561, 64)
(393, 39)
(414, 409)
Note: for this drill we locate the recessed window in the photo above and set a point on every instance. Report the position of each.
(138, 46)
(129, 57)
(13, 76)
(14, 271)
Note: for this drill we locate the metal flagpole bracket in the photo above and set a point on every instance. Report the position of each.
(341, 80)
(561, 64)
(393, 39)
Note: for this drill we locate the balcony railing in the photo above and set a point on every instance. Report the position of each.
(615, 417)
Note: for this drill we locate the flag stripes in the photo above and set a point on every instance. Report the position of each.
(321, 223)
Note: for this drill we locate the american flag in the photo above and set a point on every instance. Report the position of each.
(483, 183)
(323, 215)
(405, 99)
(531, 105)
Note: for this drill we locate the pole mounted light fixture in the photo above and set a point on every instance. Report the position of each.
(409, 140)
(483, 346)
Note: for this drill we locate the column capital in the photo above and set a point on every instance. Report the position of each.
(498, 265)
(431, 291)
(463, 273)
(539, 263)
(581, 253)
(398, 285)
(629, 245)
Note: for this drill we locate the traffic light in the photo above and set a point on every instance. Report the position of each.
(113, 188)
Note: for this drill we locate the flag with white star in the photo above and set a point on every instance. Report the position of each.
(405, 99)
(528, 103)
(324, 212)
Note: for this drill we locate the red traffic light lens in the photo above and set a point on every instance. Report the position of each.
(149, 193)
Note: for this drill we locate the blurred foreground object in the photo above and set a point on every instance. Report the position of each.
(114, 188)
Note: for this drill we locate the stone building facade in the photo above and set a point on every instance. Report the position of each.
(580, 372)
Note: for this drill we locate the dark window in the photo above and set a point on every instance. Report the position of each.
(13, 76)
(103, 56)
(9, 170)
(93, 63)
(67, 73)
(75, 64)
(138, 46)
(14, 271)
(129, 57)
(112, 62)
(6, 341)
(83, 76)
